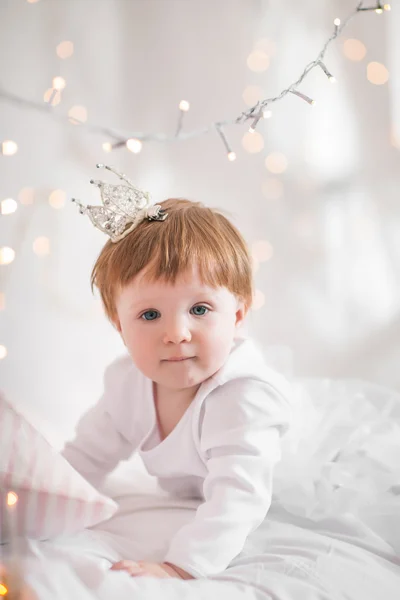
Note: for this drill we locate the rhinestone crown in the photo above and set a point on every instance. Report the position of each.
(124, 207)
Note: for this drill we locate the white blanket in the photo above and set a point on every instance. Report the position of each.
(343, 461)
(288, 558)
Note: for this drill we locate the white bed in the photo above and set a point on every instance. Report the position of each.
(310, 547)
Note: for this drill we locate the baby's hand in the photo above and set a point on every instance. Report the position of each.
(141, 568)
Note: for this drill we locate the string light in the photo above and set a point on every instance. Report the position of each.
(12, 499)
(254, 124)
(327, 73)
(378, 8)
(337, 23)
(134, 145)
(266, 113)
(8, 148)
(303, 97)
(107, 147)
(3, 352)
(8, 206)
(230, 154)
(246, 115)
(183, 108)
(52, 96)
(59, 83)
(3, 590)
(7, 255)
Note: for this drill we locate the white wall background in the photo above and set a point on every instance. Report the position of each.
(332, 286)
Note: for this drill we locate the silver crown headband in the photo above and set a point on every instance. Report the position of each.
(124, 207)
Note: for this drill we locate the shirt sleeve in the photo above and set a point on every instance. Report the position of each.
(241, 443)
(99, 445)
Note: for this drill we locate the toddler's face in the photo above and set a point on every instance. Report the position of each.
(178, 335)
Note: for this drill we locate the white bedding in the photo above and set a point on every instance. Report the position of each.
(288, 558)
(309, 548)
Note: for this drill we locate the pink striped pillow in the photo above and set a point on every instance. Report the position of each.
(53, 498)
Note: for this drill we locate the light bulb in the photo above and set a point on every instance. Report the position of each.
(9, 148)
(8, 206)
(231, 156)
(184, 105)
(134, 145)
(59, 83)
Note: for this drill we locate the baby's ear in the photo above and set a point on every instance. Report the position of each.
(115, 322)
(241, 312)
(117, 326)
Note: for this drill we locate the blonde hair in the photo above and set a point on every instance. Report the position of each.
(193, 235)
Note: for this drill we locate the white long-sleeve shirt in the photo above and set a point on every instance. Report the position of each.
(223, 450)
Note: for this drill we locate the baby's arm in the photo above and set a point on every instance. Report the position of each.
(99, 445)
(240, 442)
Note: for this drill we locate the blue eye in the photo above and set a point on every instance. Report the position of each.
(150, 315)
(200, 310)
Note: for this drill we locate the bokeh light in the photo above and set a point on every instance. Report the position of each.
(266, 45)
(65, 49)
(253, 142)
(59, 83)
(57, 198)
(258, 300)
(276, 162)
(377, 73)
(41, 246)
(252, 94)
(272, 188)
(52, 96)
(134, 145)
(258, 61)
(26, 195)
(8, 147)
(354, 49)
(8, 206)
(77, 114)
(7, 255)
(262, 250)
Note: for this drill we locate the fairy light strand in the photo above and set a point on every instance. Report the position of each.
(254, 113)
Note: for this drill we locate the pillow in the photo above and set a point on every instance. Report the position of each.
(53, 498)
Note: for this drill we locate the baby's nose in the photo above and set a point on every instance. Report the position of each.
(177, 332)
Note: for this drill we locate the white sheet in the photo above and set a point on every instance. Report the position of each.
(288, 558)
(309, 547)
